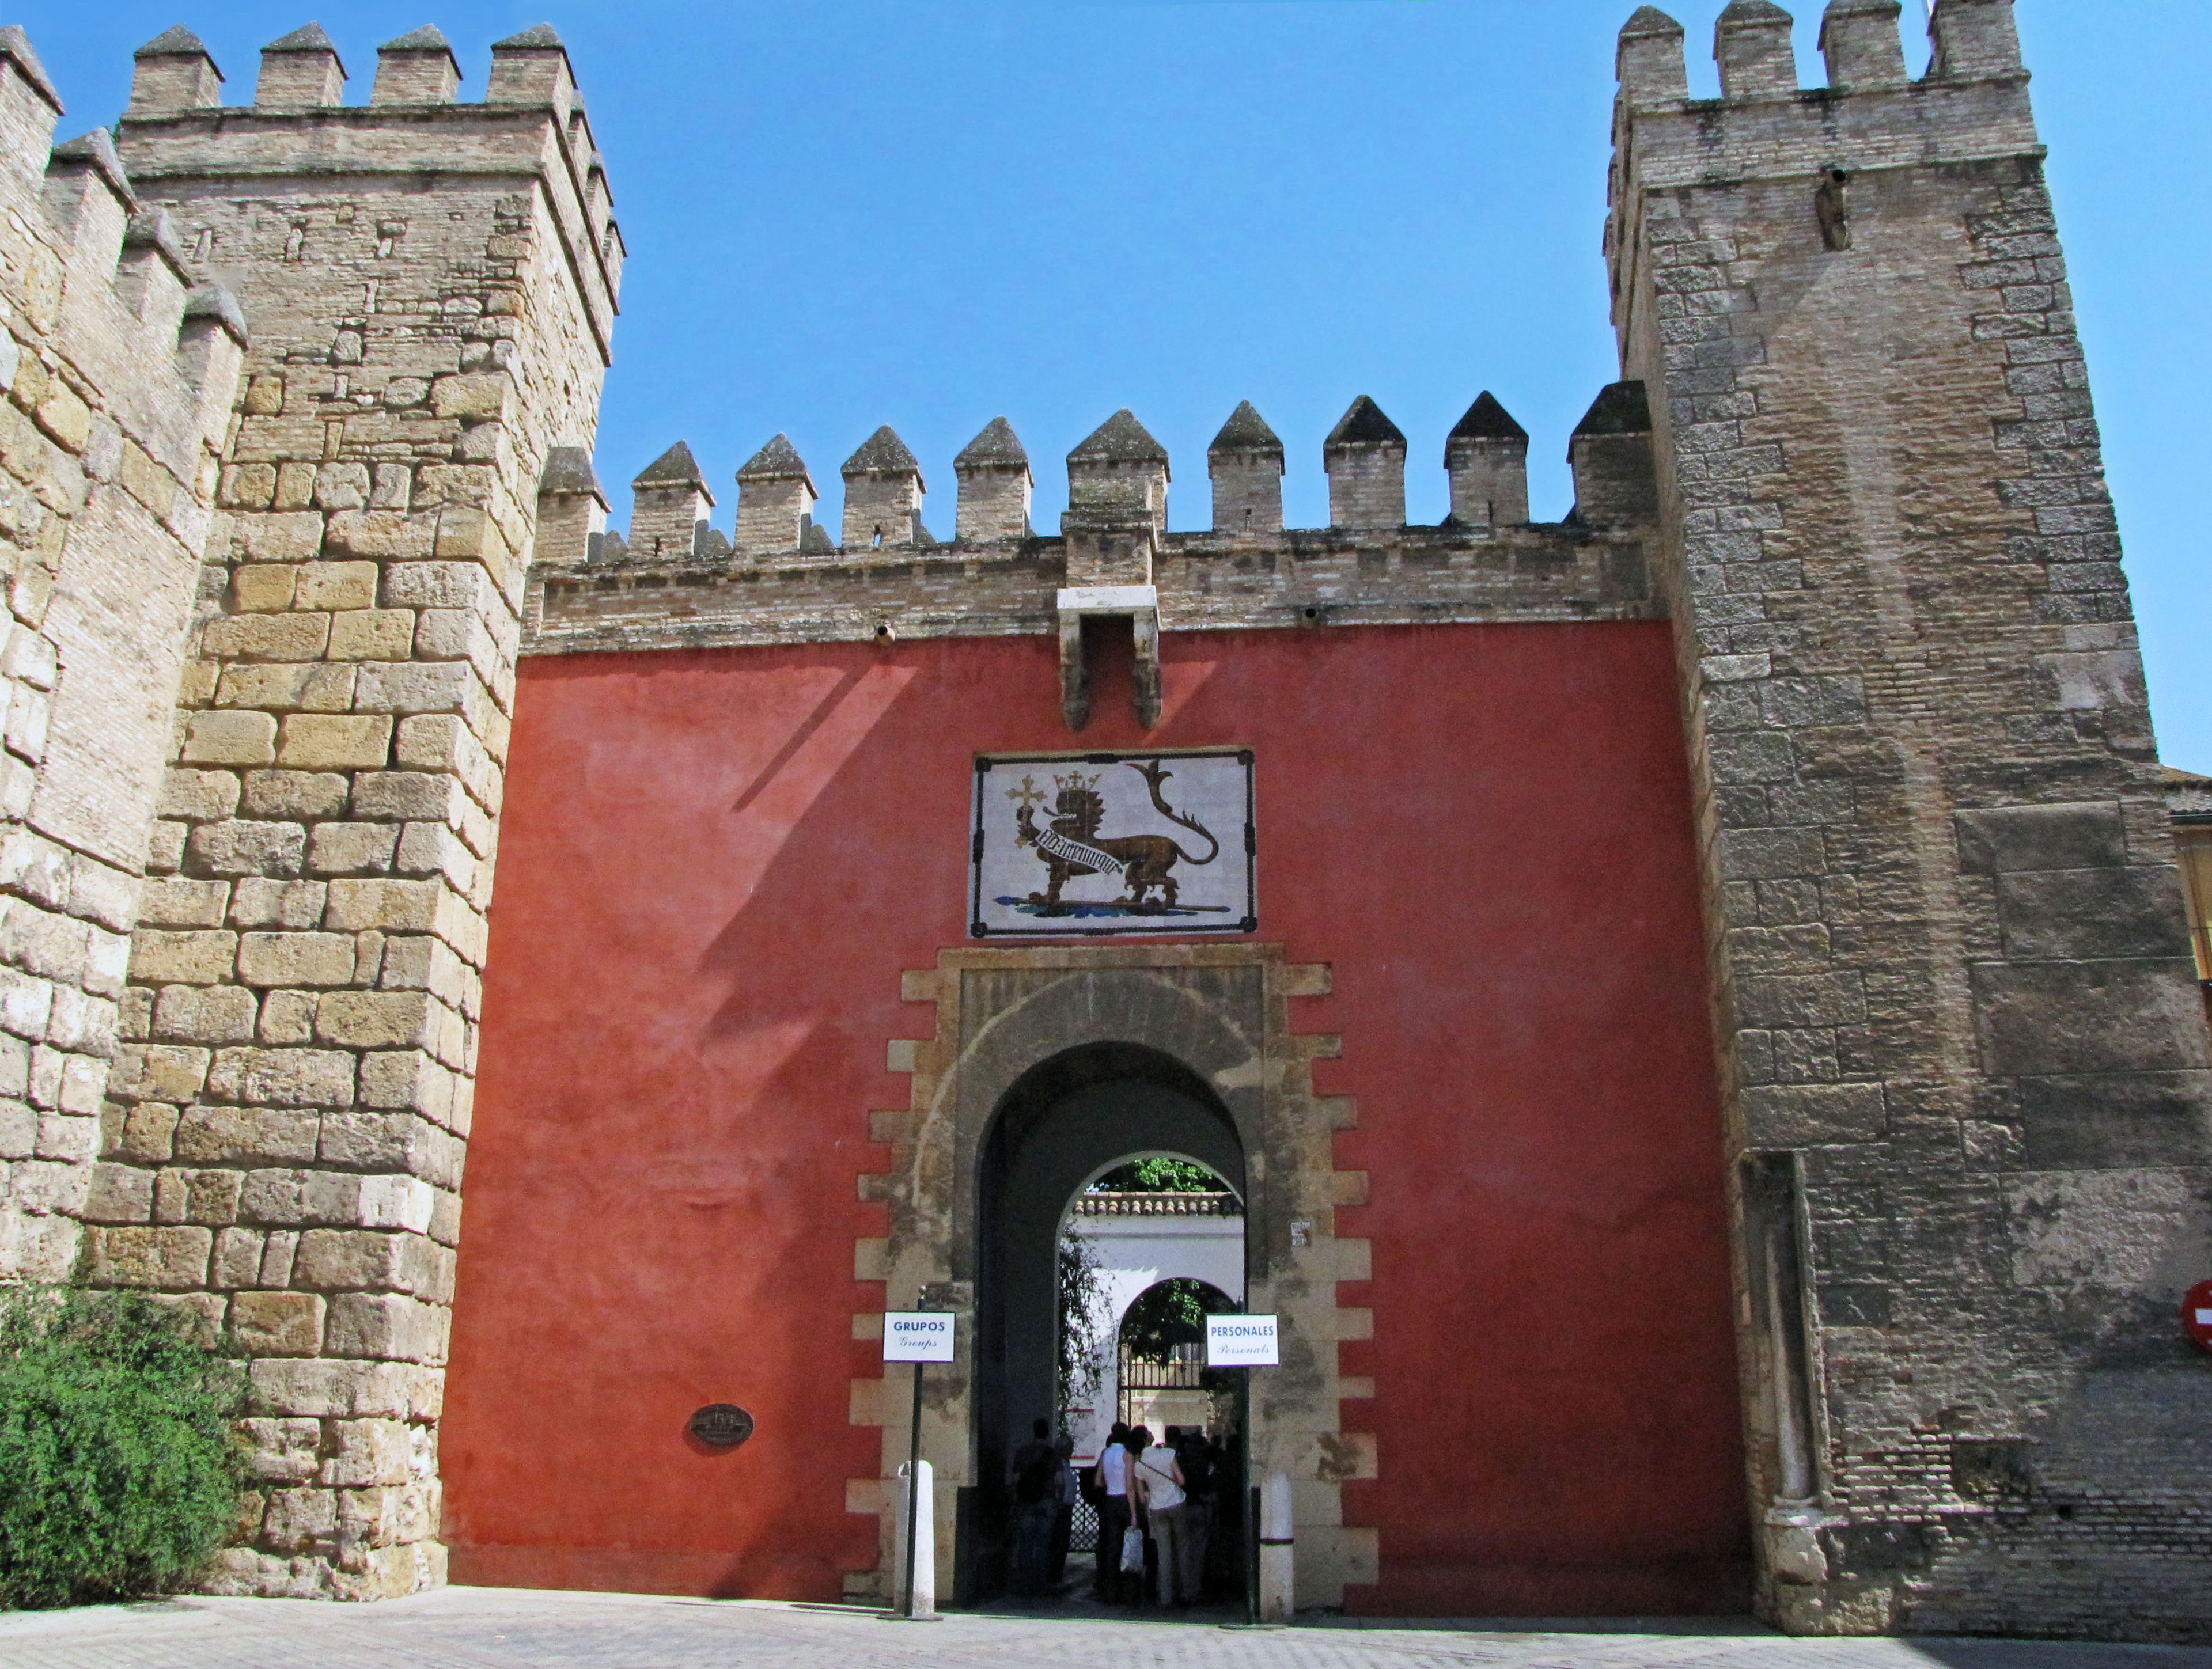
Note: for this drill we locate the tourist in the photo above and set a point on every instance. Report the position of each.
(1113, 1511)
(1195, 1456)
(1064, 1495)
(1158, 1484)
(1036, 1500)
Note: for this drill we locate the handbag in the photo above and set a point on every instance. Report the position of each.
(1132, 1551)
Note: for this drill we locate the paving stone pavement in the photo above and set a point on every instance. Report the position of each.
(463, 1628)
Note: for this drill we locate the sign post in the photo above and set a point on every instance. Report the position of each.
(1245, 1342)
(918, 1336)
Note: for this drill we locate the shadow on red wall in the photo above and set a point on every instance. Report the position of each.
(716, 866)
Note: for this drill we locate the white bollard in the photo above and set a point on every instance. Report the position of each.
(923, 1601)
(1277, 1603)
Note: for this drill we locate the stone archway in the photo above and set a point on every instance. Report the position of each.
(1221, 1013)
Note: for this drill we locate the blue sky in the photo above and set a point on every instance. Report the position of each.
(842, 213)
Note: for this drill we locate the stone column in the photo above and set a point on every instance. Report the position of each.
(303, 1003)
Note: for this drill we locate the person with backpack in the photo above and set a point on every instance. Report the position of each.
(1036, 1499)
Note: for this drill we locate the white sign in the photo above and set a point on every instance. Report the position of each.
(1091, 844)
(1240, 1341)
(917, 1336)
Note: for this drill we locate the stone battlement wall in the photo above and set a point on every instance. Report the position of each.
(1413, 575)
(120, 372)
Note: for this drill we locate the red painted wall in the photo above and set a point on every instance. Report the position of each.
(715, 867)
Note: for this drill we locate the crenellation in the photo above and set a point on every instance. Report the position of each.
(1751, 44)
(669, 506)
(882, 494)
(301, 68)
(173, 71)
(1245, 463)
(88, 198)
(995, 487)
(151, 275)
(1486, 463)
(1862, 44)
(416, 68)
(1974, 40)
(1365, 458)
(1119, 468)
(1653, 71)
(1611, 455)
(775, 501)
(531, 68)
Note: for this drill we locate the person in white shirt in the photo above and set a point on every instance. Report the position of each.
(1156, 1481)
(1113, 1512)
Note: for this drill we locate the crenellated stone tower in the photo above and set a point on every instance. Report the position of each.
(431, 286)
(1962, 1051)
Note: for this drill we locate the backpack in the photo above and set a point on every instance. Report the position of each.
(1034, 1482)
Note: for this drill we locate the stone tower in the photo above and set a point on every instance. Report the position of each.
(291, 1108)
(1963, 1056)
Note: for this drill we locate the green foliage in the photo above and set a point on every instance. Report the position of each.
(1171, 1314)
(118, 1475)
(1081, 1301)
(1159, 1174)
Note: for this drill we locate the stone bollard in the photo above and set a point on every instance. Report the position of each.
(1277, 1602)
(921, 1604)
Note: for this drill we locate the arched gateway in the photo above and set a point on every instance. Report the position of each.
(1046, 1065)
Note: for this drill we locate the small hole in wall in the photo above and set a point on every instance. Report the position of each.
(1313, 614)
(883, 633)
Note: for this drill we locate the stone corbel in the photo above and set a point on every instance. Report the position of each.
(1140, 604)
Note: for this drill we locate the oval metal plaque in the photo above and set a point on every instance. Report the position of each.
(724, 1425)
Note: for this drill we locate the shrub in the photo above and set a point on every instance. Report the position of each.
(118, 1475)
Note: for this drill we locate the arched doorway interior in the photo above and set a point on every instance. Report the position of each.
(1061, 1125)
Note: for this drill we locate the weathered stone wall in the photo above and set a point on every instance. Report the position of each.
(1397, 576)
(119, 382)
(1964, 1060)
(431, 286)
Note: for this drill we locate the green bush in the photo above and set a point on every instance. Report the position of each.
(118, 1474)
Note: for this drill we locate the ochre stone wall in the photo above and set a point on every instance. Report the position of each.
(720, 865)
(116, 382)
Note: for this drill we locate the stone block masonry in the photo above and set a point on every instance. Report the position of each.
(288, 1118)
(1963, 1056)
(116, 382)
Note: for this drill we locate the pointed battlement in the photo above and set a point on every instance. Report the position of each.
(1487, 461)
(301, 68)
(416, 68)
(531, 68)
(995, 487)
(1120, 467)
(669, 506)
(572, 508)
(1610, 452)
(882, 494)
(1751, 44)
(1861, 44)
(1246, 464)
(1365, 458)
(173, 71)
(775, 501)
